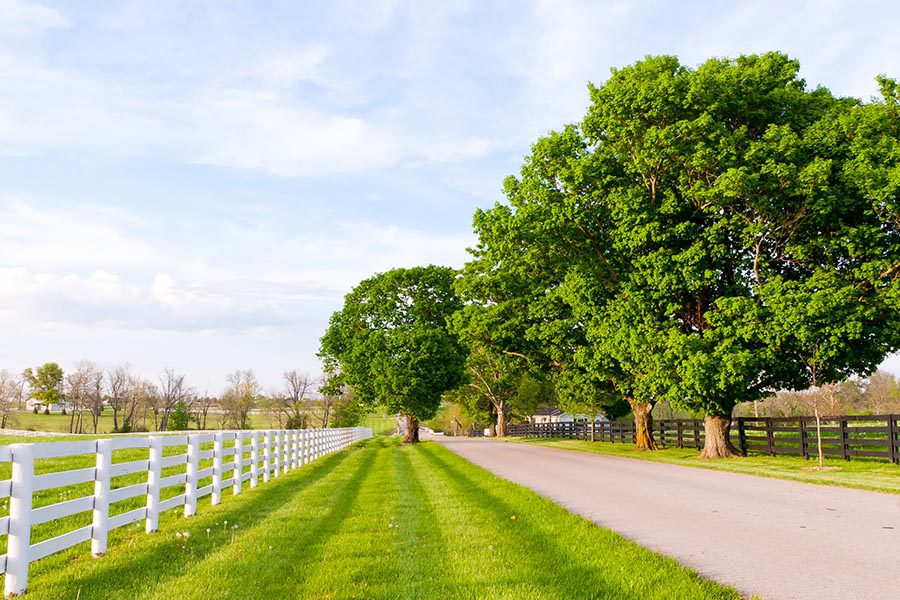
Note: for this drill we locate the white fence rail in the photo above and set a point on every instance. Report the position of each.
(236, 457)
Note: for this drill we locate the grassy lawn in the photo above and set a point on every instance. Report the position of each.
(379, 520)
(875, 475)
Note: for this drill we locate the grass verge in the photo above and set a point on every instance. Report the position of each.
(872, 475)
(379, 520)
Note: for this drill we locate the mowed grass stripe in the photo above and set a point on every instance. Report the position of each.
(380, 520)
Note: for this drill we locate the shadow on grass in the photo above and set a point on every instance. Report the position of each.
(571, 575)
(138, 562)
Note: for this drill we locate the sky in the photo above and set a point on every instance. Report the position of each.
(196, 184)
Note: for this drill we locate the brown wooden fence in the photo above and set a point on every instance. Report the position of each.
(844, 436)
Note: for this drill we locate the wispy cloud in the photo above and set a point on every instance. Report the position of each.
(19, 17)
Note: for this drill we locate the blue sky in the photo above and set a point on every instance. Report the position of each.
(196, 184)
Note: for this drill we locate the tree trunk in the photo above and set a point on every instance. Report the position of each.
(412, 430)
(819, 434)
(501, 420)
(115, 418)
(643, 425)
(718, 443)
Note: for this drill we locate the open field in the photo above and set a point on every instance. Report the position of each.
(875, 475)
(380, 520)
(59, 423)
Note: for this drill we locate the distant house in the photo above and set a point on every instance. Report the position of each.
(552, 414)
(31, 404)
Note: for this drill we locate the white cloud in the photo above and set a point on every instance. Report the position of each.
(264, 131)
(19, 17)
(98, 274)
(81, 238)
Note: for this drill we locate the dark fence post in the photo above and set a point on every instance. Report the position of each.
(742, 436)
(662, 433)
(804, 443)
(678, 433)
(697, 444)
(845, 439)
(893, 442)
(770, 436)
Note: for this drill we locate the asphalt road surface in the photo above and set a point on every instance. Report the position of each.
(778, 539)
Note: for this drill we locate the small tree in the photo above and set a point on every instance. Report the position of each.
(11, 391)
(180, 418)
(239, 399)
(391, 344)
(45, 383)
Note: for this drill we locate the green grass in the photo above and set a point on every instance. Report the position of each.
(380, 424)
(378, 520)
(874, 475)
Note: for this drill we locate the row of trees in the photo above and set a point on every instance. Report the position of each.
(704, 237)
(170, 403)
(878, 394)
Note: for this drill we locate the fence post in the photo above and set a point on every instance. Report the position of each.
(894, 446)
(276, 458)
(18, 545)
(662, 433)
(153, 476)
(193, 467)
(238, 473)
(770, 436)
(285, 451)
(267, 455)
(294, 442)
(100, 523)
(679, 431)
(254, 459)
(218, 447)
(845, 440)
(804, 443)
(742, 436)
(696, 425)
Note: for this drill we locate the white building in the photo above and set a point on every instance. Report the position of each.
(551, 414)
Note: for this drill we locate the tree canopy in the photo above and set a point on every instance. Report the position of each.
(45, 383)
(391, 342)
(660, 247)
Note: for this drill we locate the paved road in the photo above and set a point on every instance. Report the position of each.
(778, 539)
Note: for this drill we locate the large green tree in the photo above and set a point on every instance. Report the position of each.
(652, 242)
(391, 342)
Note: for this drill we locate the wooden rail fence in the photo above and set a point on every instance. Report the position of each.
(842, 436)
(227, 458)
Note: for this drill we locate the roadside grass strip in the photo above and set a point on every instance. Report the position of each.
(859, 473)
(377, 520)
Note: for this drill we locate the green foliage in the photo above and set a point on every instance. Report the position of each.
(390, 342)
(702, 237)
(46, 383)
(179, 419)
(347, 411)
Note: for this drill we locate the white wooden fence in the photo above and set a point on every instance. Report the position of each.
(271, 453)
